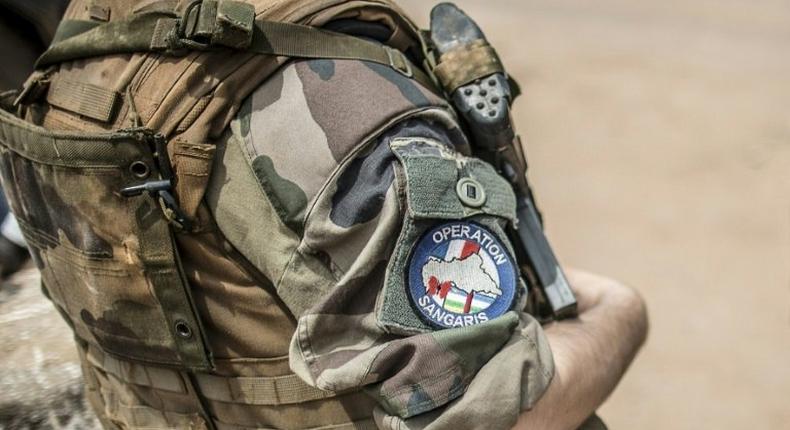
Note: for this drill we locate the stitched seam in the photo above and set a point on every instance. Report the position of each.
(534, 346)
(366, 142)
(237, 140)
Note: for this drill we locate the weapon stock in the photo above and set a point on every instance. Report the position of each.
(484, 104)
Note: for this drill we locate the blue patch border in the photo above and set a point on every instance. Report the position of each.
(422, 249)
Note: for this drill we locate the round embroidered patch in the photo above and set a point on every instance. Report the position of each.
(461, 274)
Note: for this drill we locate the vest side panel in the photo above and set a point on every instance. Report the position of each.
(192, 101)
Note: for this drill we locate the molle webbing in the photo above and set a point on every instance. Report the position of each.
(101, 150)
(89, 100)
(268, 390)
(167, 33)
(279, 390)
(245, 395)
(55, 182)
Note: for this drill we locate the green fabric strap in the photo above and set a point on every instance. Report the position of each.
(163, 32)
(116, 37)
(92, 101)
(73, 27)
(300, 41)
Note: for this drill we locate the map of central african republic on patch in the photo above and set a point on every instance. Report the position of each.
(461, 274)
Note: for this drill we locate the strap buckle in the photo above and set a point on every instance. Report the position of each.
(205, 24)
(176, 36)
(399, 62)
(35, 88)
(225, 23)
(162, 188)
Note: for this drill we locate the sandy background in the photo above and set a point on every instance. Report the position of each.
(659, 142)
(658, 135)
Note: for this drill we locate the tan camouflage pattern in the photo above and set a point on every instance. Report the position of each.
(304, 204)
(247, 327)
(86, 239)
(340, 198)
(322, 96)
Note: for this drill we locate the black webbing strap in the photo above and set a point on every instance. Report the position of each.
(166, 33)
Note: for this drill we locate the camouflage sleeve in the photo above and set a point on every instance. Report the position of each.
(392, 256)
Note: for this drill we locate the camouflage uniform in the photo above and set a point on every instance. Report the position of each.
(343, 195)
(286, 304)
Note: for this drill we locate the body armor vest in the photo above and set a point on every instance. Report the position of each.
(106, 174)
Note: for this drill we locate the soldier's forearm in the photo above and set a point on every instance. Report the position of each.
(591, 352)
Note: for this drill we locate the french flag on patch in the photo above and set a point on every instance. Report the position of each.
(460, 274)
(453, 298)
(460, 249)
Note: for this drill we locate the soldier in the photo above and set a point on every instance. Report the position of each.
(250, 223)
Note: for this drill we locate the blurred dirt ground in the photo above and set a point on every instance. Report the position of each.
(40, 378)
(659, 142)
(659, 139)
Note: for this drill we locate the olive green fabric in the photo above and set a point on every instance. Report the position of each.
(190, 100)
(133, 35)
(73, 27)
(288, 260)
(160, 32)
(64, 189)
(430, 174)
(277, 390)
(88, 100)
(358, 125)
(231, 214)
(299, 94)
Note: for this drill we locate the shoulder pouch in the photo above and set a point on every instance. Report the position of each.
(452, 265)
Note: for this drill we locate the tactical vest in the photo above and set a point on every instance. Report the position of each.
(105, 163)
